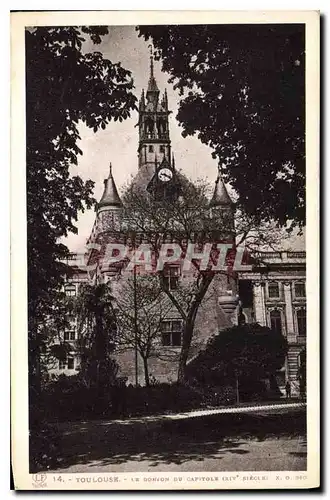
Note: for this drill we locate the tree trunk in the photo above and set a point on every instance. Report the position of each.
(186, 342)
(188, 329)
(146, 371)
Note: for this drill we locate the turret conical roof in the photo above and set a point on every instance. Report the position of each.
(220, 196)
(110, 197)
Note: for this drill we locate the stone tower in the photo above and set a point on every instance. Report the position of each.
(158, 176)
(105, 228)
(109, 206)
(221, 204)
(154, 138)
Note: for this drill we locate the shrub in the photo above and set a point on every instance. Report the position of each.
(245, 354)
(44, 445)
(69, 398)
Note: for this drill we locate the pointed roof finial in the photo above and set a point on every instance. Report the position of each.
(151, 62)
(152, 84)
(110, 170)
(142, 101)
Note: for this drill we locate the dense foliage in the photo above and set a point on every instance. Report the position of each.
(243, 89)
(96, 337)
(187, 219)
(247, 353)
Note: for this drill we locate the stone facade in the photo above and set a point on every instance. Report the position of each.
(274, 298)
(272, 293)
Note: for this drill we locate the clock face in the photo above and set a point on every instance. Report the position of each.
(165, 174)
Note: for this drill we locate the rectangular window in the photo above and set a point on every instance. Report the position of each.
(171, 332)
(66, 364)
(70, 363)
(273, 290)
(299, 290)
(70, 335)
(70, 290)
(151, 149)
(276, 321)
(301, 321)
(171, 277)
(161, 149)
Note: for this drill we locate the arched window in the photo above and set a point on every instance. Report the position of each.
(161, 126)
(149, 126)
(301, 322)
(276, 320)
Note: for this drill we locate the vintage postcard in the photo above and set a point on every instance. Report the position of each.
(164, 237)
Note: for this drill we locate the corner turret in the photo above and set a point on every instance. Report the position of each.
(110, 198)
(220, 196)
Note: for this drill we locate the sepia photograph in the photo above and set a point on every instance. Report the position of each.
(162, 326)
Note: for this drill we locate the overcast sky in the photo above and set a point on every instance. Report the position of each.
(119, 142)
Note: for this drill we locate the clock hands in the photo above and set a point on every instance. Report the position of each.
(165, 175)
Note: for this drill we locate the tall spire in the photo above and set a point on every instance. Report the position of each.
(110, 197)
(152, 84)
(151, 64)
(220, 196)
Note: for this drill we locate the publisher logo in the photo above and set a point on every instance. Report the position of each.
(39, 480)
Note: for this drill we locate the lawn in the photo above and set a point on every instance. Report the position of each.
(266, 440)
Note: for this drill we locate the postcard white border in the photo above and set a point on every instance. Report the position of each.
(19, 390)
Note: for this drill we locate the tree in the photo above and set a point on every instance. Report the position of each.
(141, 308)
(96, 336)
(64, 87)
(240, 355)
(242, 92)
(48, 348)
